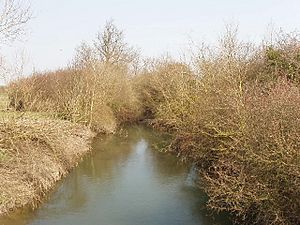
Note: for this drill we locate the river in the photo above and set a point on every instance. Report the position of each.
(124, 181)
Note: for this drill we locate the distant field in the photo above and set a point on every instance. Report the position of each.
(6, 113)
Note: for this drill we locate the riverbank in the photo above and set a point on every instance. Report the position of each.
(124, 171)
(35, 153)
(233, 111)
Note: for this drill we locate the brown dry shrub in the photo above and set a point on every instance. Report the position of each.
(164, 92)
(258, 176)
(242, 133)
(97, 95)
(95, 90)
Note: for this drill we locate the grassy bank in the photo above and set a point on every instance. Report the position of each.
(34, 155)
(233, 110)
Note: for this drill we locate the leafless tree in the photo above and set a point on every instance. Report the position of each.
(111, 46)
(85, 56)
(14, 15)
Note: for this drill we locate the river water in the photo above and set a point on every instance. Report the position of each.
(125, 181)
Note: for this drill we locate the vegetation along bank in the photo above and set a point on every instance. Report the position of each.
(233, 110)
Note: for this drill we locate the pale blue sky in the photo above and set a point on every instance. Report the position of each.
(154, 26)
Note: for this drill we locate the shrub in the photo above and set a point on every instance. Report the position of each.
(279, 59)
(95, 90)
(241, 130)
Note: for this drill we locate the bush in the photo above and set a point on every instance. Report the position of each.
(279, 59)
(95, 90)
(256, 176)
(100, 97)
(241, 129)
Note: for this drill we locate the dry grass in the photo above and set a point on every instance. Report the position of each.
(3, 101)
(34, 155)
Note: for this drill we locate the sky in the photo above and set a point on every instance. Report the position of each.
(155, 27)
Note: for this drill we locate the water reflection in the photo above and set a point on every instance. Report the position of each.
(124, 182)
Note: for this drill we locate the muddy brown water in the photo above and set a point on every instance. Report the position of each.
(125, 181)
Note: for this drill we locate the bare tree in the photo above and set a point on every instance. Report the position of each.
(85, 56)
(14, 14)
(111, 46)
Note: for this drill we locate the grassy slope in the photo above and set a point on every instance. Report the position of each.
(35, 152)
